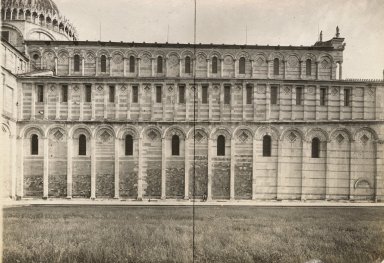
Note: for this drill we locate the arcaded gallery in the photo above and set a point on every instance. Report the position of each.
(103, 120)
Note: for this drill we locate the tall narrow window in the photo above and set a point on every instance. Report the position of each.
(187, 65)
(267, 146)
(274, 90)
(214, 65)
(64, 93)
(299, 95)
(205, 94)
(103, 64)
(347, 97)
(175, 145)
(227, 94)
(112, 94)
(88, 93)
(158, 94)
(82, 145)
(276, 66)
(131, 64)
(35, 144)
(159, 64)
(221, 145)
(249, 94)
(181, 94)
(128, 145)
(308, 67)
(315, 148)
(323, 96)
(135, 94)
(242, 65)
(40, 93)
(76, 63)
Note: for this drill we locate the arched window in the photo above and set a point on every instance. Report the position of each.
(242, 65)
(103, 64)
(267, 146)
(82, 145)
(159, 64)
(187, 65)
(315, 148)
(175, 145)
(35, 144)
(214, 65)
(308, 67)
(221, 145)
(131, 64)
(76, 63)
(276, 66)
(128, 145)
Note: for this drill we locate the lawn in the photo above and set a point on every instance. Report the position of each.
(165, 234)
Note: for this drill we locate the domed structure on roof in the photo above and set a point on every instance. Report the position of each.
(43, 21)
(47, 6)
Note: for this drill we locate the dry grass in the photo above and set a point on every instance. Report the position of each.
(164, 234)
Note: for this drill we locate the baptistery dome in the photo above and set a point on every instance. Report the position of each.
(42, 5)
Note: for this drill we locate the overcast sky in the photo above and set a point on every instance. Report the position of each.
(284, 22)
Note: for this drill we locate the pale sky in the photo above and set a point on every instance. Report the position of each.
(284, 22)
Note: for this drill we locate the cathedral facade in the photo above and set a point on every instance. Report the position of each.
(99, 120)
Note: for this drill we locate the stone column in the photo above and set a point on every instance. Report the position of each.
(124, 66)
(33, 102)
(186, 102)
(93, 168)
(69, 102)
(45, 94)
(301, 69)
(232, 173)
(209, 183)
(93, 104)
(140, 171)
(244, 100)
(153, 101)
(165, 67)
(163, 166)
(221, 67)
(268, 69)
(194, 67)
(221, 100)
(116, 100)
(210, 102)
(46, 167)
(208, 67)
(81, 115)
(180, 67)
(82, 66)
(252, 68)
(97, 66)
(117, 168)
(110, 66)
(285, 69)
(152, 67)
(186, 163)
(70, 65)
(236, 62)
(317, 70)
(13, 165)
(138, 67)
(268, 102)
(56, 66)
(105, 102)
(129, 100)
(69, 167)
(58, 100)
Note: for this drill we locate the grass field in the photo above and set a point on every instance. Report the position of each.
(164, 234)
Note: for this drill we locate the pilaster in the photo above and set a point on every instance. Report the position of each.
(45, 92)
(209, 183)
(46, 167)
(93, 168)
(117, 168)
(69, 167)
(232, 172)
(186, 169)
(163, 166)
(140, 171)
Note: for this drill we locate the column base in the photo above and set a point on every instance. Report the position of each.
(139, 199)
(93, 198)
(69, 197)
(163, 198)
(45, 198)
(186, 197)
(116, 197)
